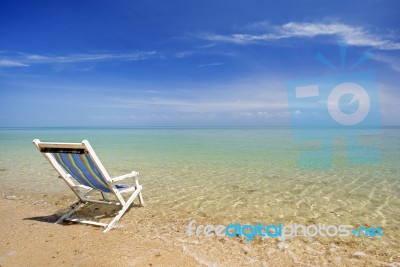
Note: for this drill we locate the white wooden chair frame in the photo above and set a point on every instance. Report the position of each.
(83, 192)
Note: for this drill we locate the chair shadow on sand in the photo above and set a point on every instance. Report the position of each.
(92, 211)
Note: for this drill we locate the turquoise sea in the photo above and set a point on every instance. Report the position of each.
(226, 174)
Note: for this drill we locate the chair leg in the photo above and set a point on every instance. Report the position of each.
(141, 199)
(123, 210)
(140, 194)
(72, 209)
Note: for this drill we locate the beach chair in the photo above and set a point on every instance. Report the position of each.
(81, 169)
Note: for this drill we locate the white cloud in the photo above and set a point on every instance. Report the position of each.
(36, 57)
(353, 35)
(257, 95)
(356, 36)
(25, 60)
(184, 54)
(94, 57)
(12, 63)
(201, 106)
(394, 62)
(264, 114)
(210, 64)
(207, 45)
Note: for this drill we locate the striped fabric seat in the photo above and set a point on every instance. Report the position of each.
(82, 168)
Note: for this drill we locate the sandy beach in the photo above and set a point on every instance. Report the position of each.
(29, 237)
(150, 236)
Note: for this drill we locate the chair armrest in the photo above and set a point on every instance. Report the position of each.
(122, 177)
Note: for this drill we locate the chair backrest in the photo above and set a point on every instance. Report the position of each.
(77, 160)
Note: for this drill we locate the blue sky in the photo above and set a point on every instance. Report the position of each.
(140, 63)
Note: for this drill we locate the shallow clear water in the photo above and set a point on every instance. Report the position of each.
(226, 174)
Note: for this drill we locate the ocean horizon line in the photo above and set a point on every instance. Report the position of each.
(191, 127)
